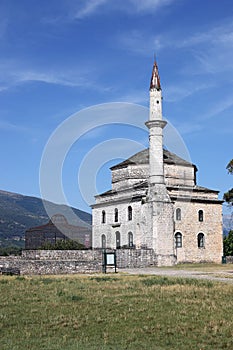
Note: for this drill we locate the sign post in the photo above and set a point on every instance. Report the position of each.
(109, 260)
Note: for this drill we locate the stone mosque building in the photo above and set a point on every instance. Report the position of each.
(155, 202)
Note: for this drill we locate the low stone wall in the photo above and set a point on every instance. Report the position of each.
(132, 258)
(46, 262)
(49, 267)
(75, 255)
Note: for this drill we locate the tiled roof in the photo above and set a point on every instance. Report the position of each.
(143, 158)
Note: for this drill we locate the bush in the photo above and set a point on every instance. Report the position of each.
(228, 244)
(6, 251)
(63, 245)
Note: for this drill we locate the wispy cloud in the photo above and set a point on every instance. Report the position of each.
(16, 77)
(49, 78)
(219, 34)
(149, 5)
(178, 92)
(88, 8)
(212, 48)
(218, 108)
(12, 75)
(201, 121)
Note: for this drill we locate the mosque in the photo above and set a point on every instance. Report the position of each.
(155, 202)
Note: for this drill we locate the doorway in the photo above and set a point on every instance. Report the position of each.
(118, 240)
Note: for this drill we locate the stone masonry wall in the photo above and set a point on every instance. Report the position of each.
(132, 258)
(47, 262)
(189, 226)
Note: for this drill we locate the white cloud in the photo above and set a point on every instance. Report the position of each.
(212, 49)
(219, 107)
(11, 74)
(89, 8)
(180, 91)
(15, 76)
(149, 5)
(49, 78)
(220, 34)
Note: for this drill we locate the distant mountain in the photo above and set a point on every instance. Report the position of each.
(19, 212)
(227, 223)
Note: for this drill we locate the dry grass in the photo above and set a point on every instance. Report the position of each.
(114, 312)
(205, 267)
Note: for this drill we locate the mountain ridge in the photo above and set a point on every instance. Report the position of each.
(19, 212)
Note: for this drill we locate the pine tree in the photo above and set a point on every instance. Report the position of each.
(228, 196)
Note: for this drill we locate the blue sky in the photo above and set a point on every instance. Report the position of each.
(59, 57)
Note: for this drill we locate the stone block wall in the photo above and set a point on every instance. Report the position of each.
(53, 262)
(46, 262)
(189, 226)
(67, 255)
(123, 225)
(132, 258)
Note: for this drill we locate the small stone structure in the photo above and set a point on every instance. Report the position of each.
(57, 229)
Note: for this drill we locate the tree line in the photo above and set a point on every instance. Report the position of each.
(228, 198)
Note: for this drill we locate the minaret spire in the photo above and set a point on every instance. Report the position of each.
(155, 80)
(156, 125)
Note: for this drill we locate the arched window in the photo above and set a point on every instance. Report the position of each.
(200, 215)
(130, 213)
(130, 239)
(118, 240)
(200, 240)
(178, 240)
(116, 215)
(178, 214)
(103, 217)
(103, 241)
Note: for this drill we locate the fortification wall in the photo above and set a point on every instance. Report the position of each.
(53, 262)
(46, 262)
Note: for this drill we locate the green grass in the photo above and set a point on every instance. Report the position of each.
(114, 312)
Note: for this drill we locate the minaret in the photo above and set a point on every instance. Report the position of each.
(159, 202)
(156, 125)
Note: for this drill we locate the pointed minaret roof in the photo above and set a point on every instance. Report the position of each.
(155, 81)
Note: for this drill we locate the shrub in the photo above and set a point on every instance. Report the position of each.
(63, 245)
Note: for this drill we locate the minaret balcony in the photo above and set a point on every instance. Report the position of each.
(156, 123)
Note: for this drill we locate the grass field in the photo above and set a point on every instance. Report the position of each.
(114, 312)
